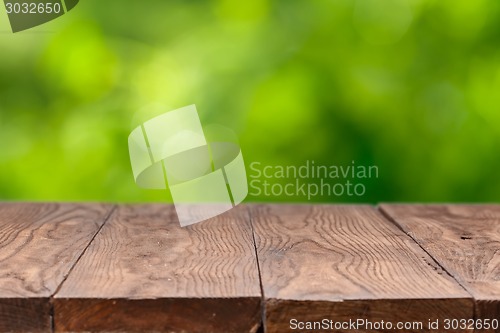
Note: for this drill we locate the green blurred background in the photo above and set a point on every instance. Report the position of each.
(411, 86)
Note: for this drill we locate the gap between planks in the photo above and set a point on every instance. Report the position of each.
(464, 239)
(442, 267)
(110, 213)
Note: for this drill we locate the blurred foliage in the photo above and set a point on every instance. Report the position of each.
(412, 86)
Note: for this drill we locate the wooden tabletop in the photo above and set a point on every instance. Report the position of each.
(256, 268)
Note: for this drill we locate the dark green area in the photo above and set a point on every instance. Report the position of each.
(411, 86)
(70, 4)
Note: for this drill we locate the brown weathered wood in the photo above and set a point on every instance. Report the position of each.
(347, 263)
(464, 240)
(39, 243)
(144, 273)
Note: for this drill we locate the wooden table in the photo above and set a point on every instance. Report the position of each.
(257, 268)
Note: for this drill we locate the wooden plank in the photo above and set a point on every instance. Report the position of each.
(144, 272)
(39, 243)
(465, 241)
(347, 263)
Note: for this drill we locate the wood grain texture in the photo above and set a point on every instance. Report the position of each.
(465, 241)
(143, 272)
(39, 243)
(347, 262)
